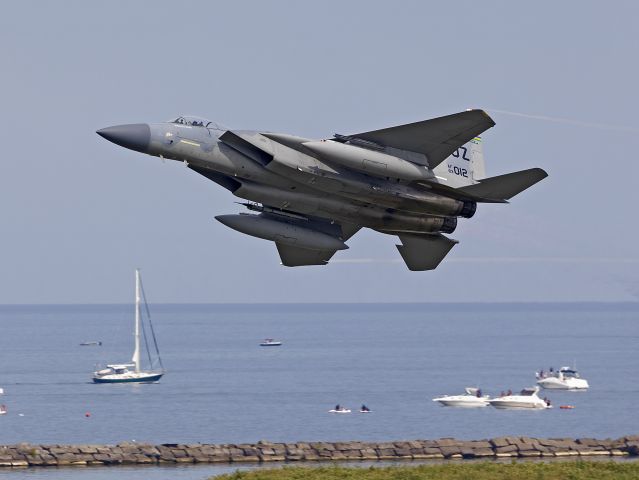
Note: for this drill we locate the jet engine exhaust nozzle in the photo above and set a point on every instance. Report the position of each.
(449, 225)
(134, 136)
(468, 210)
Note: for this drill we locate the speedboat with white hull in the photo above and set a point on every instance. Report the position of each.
(132, 372)
(565, 379)
(526, 399)
(471, 399)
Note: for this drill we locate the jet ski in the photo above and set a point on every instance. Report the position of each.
(339, 409)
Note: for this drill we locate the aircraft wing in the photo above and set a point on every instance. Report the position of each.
(424, 251)
(296, 256)
(436, 138)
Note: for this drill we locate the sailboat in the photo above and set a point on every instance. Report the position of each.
(132, 372)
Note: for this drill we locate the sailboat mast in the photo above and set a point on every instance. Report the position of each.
(136, 352)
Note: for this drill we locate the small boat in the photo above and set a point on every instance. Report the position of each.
(364, 409)
(339, 409)
(566, 407)
(269, 342)
(566, 378)
(91, 344)
(3, 409)
(132, 372)
(471, 399)
(526, 399)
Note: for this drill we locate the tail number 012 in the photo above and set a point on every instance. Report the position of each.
(462, 172)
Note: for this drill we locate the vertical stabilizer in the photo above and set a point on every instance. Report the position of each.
(465, 166)
(477, 164)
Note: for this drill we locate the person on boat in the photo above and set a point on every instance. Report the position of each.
(551, 370)
(509, 393)
(365, 408)
(547, 401)
(338, 407)
(541, 373)
(479, 393)
(502, 394)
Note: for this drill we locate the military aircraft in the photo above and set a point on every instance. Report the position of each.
(310, 196)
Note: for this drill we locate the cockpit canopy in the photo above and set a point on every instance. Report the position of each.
(194, 121)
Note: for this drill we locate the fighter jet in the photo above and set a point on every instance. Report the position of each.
(310, 196)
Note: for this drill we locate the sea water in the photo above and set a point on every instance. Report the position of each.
(222, 387)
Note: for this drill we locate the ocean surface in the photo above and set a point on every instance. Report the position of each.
(222, 387)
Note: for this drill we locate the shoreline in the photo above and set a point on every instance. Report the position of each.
(129, 453)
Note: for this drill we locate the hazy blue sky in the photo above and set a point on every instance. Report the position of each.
(78, 213)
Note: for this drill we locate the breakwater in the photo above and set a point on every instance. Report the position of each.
(128, 453)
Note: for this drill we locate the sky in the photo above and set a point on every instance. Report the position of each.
(79, 213)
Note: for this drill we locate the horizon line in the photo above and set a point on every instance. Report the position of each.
(470, 302)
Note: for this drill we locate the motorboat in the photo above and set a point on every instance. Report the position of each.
(471, 399)
(132, 372)
(269, 342)
(364, 409)
(93, 343)
(566, 378)
(526, 399)
(339, 409)
(3, 409)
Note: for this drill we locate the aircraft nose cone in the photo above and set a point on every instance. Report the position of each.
(135, 136)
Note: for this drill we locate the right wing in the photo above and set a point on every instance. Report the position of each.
(436, 138)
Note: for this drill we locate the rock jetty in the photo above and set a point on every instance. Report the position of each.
(29, 455)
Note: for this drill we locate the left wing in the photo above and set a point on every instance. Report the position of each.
(297, 256)
(294, 256)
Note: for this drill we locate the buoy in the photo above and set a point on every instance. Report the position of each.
(88, 414)
(567, 407)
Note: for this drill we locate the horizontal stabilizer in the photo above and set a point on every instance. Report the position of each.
(504, 187)
(436, 138)
(424, 252)
(296, 256)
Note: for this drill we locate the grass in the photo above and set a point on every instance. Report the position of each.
(578, 470)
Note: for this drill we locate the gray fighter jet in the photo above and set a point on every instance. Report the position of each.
(310, 196)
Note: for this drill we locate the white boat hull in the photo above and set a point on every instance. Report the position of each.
(128, 377)
(463, 401)
(526, 400)
(346, 410)
(516, 405)
(552, 383)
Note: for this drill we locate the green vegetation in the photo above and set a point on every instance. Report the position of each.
(566, 470)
